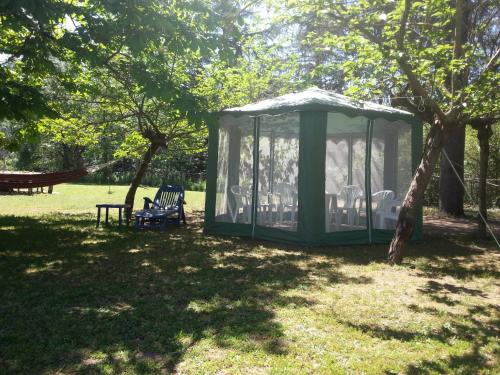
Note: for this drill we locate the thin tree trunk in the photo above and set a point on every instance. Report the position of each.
(483, 135)
(146, 159)
(451, 191)
(407, 216)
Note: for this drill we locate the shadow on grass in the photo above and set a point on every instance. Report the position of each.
(459, 257)
(478, 325)
(479, 328)
(79, 299)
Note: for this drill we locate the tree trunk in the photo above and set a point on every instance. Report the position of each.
(146, 159)
(483, 135)
(407, 216)
(451, 190)
(66, 158)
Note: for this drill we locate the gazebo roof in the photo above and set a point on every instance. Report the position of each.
(319, 100)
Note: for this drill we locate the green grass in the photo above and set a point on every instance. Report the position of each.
(77, 199)
(79, 300)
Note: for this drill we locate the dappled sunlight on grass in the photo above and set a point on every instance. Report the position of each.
(112, 300)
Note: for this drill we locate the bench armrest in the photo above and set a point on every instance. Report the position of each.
(147, 203)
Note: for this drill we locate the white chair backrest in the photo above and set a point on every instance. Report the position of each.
(382, 198)
(286, 192)
(241, 195)
(350, 194)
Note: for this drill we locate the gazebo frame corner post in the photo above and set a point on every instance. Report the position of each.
(255, 174)
(311, 179)
(211, 187)
(233, 166)
(368, 178)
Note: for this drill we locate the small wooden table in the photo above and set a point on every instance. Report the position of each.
(107, 206)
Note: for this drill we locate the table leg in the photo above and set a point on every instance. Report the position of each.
(98, 216)
(119, 216)
(107, 215)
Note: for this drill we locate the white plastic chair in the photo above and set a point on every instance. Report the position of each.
(286, 200)
(382, 207)
(331, 210)
(242, 199)
(350, 195)
(265, 207)
(388, 209)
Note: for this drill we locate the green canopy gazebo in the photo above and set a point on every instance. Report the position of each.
(314, 167)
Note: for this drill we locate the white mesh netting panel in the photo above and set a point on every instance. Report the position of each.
(278, 171)
(233, 201)
(345, 173)
(391, 170)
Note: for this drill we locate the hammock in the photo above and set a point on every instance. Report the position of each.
(28, 180)
(37, 180)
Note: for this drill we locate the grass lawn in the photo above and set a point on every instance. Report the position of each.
(79, 300)
(80, 199)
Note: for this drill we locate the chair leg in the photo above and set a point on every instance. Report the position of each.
(382, 221)
(338, 219)
(351, 216)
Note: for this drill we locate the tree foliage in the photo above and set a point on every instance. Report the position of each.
(375, 52)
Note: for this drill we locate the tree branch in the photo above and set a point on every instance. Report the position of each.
(400, 38)
(415, 85)
(456, 79)
(493, 62)
(477, 122)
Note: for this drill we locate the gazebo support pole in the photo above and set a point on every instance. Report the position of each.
(256, 164)
(271, 176)
(368, 178)
(349, 159)
(233, 169)
(390, 159)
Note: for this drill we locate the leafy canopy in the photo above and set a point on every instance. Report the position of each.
(367, 43)
(95, 61)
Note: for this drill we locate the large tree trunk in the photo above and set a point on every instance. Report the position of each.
(451, 190)
(72, 157)
(483, 135)
(146, 159)
(407, 216)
